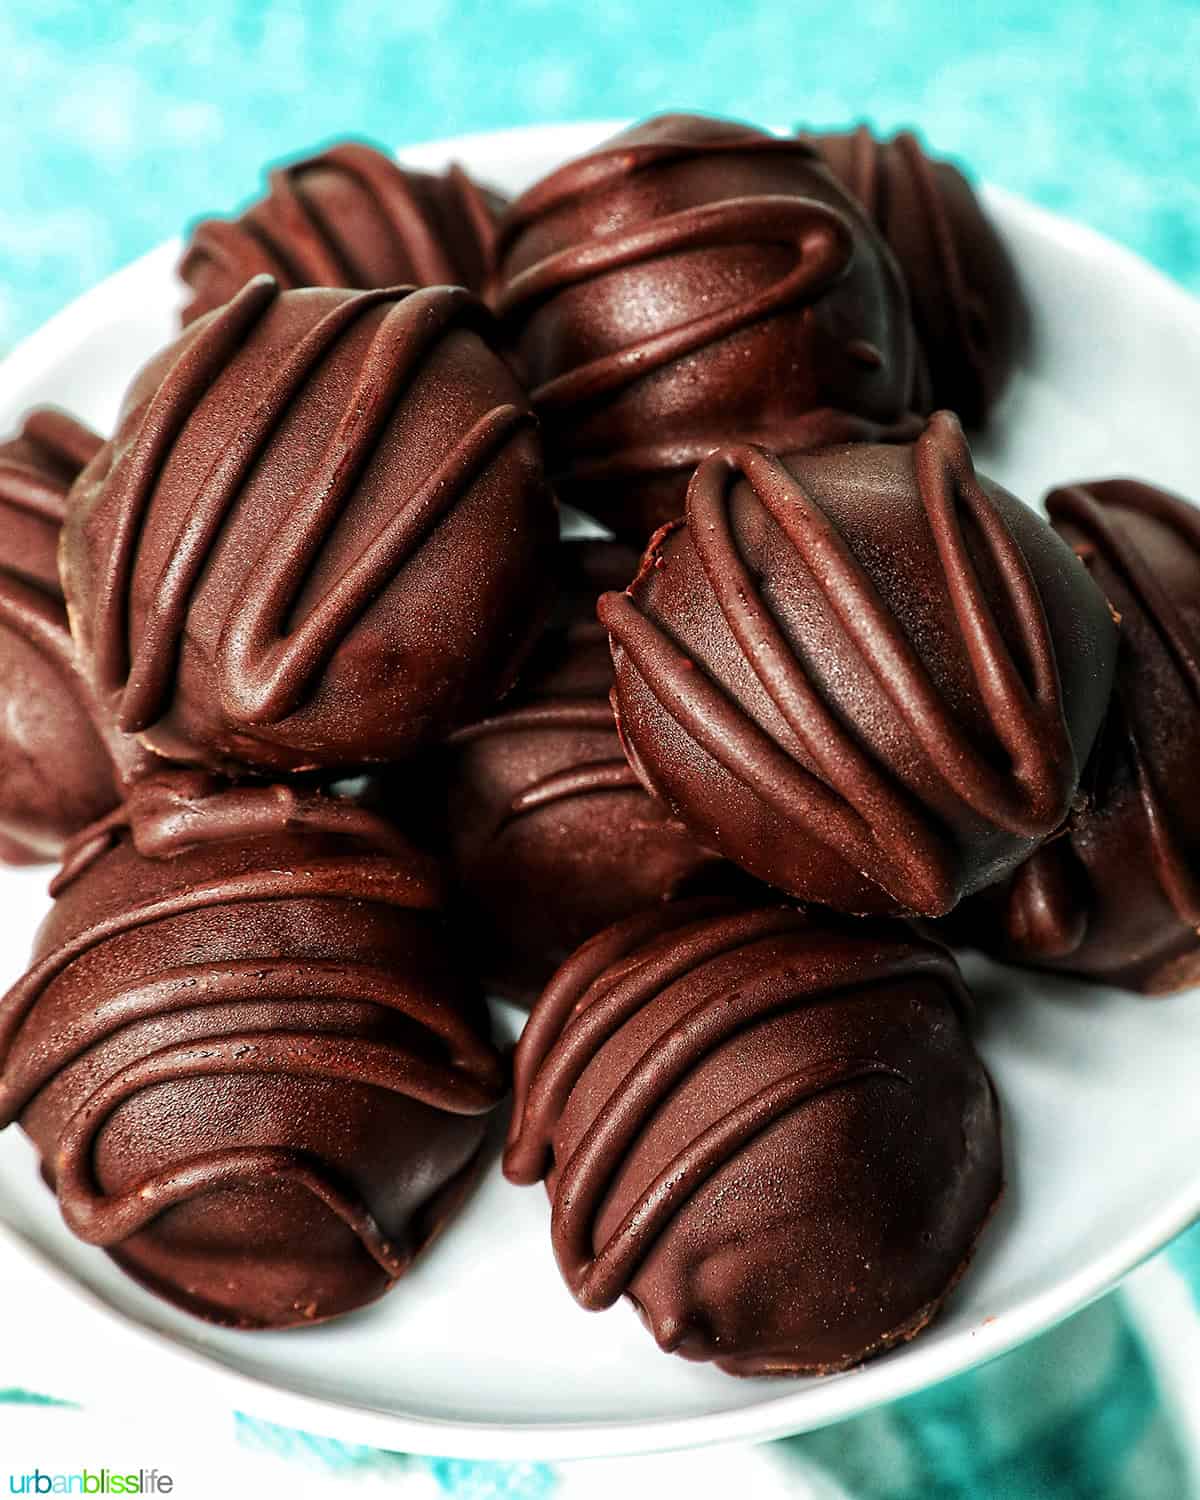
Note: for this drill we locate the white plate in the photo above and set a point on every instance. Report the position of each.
(481, 1352)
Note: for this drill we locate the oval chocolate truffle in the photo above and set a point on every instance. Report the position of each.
(692, 282)
(1118, 899)
(55, 773)
(866, 675)
(321, 536)
(767, 1127)
(966, 300)
(349, 216)
(552, 836)
(253, 1072)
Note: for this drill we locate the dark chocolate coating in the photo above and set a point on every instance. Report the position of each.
(55, 773)
(767, 1127)
(552, 836)
(1118, 898)
(350, 216)
(866, 675)
(313, 498)
(694, 282)
(253, 1072)
(966, 301)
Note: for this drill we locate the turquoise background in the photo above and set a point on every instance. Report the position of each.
(119, 120)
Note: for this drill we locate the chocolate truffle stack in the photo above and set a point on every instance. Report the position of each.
(257, 1074)
(311, 584)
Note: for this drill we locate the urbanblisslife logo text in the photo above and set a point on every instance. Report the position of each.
(91, 1482)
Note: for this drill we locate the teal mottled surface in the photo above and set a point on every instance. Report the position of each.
(119, 120)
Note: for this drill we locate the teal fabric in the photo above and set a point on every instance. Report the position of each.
(120, 121)
(1185, 1253)
(1076, 1413)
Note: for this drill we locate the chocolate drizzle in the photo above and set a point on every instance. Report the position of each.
(54, 771)
(608, 775)
(37, 467)
(265, 671)
(1118, 897)
(819, 235)
(966, 303)
(1076, 506)
(727, 972)
(700, 281)
(352, 1020)
(823, 775)
(552, 836)
(269, 659)
(349, 217)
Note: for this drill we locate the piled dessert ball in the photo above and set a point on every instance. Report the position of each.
(332, 732)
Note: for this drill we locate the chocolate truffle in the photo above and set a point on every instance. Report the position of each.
(866, 675)
(694, 282)
(349, 216)
(55, 774)
(552, 836)
(321, 536)
(966, 300)
(767, 1127)
(1118, 898)
(253, 1072)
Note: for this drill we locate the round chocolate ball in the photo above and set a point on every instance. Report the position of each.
(551, 835)
(768, 1128)
(321, 536)
(693, 282)
(252, 1069)
(1117, 899)
(867, 675)
(967, 306)
(55, 772)
(350, 216)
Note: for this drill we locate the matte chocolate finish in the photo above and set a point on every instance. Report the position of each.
(970, 316)
(1118, 899)
(694, 282)
(253, 1072)
(55, 774)
(313, 498)
(349, 216)
(552, 836)
(768, 1128)
(866, 675)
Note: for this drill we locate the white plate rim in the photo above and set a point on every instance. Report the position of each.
(801, 1408)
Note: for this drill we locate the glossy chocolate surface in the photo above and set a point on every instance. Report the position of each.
(55, 774)
(867, 675)
(767, 1127)
(254, 1073)
(966, 300)
(313, 498)
(552, 836)
(349, 216)
(1118, 899)
(694, 282)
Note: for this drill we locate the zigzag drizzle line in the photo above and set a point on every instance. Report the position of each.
(1076, 505)
(851, 796)
(599, 1278)
(264, 674)
(820, 235)
(376, 882)
(286, 235)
